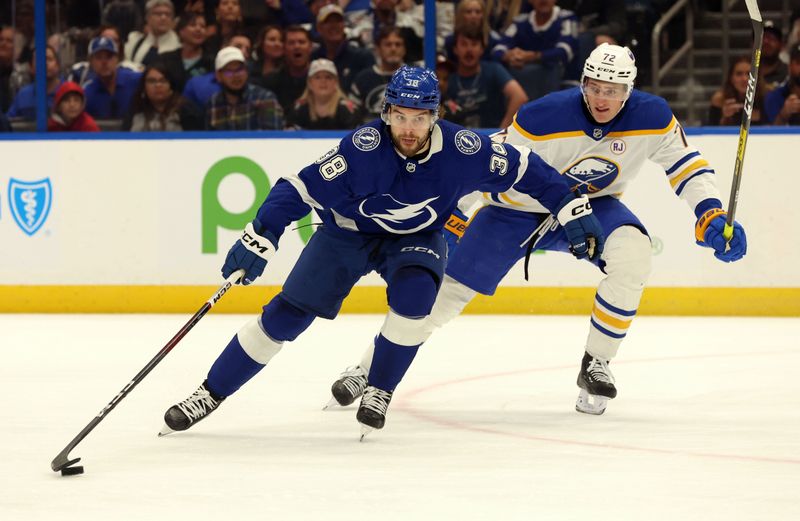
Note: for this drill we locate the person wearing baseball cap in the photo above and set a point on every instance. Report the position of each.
(323, 105)
(349, 59)
(109, 92)
(783, 104)
(240, 105)
(772, 70)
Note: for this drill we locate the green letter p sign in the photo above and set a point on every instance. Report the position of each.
(214, 215)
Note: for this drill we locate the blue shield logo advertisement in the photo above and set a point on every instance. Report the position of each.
(30, 203)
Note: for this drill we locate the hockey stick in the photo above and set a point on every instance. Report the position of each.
(749, 100)
(62, 462)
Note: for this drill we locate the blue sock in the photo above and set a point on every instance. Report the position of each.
(232, 369)
(390, 363)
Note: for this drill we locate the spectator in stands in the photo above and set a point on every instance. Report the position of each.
(81, 72)
(190, 60)
(6, 66)
(69, 114)
(349, 59)
(771, 69)
(159, 107)
(199, 89)
(240, 105)
(159, 36)
(228, 22)
(600, 21)
(369, 85)
(727, 103)
(385, 13)
(539, 48)
(24, 104)
(471, 16)
(323, 105)
(5, 125)
(23, 31)
(451, 111)
(109, 93)
(124, 14)
(289, 81)
(288, 12)
(486, 92)
(783, 103)
(501, 13)
(269, 53)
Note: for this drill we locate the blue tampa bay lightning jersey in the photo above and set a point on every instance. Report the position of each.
(364, 185)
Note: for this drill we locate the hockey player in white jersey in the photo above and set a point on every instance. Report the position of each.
(598, 136)
(383, 195)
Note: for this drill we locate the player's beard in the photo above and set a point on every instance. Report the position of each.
(410, 150)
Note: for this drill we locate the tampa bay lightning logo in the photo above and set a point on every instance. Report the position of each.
(398, 217)
(467, 142)
(592, 174)
(367, 139)
(30, 203)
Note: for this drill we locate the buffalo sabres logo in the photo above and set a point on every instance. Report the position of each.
(592, 174)
(367, 139)
(467, 142)
(30, 203)
(398, 217)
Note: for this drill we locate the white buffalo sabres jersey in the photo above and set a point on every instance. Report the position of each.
(601, 160)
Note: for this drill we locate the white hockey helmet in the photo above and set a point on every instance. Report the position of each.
(611, 63)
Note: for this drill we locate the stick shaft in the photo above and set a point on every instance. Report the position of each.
(62, 459)
(747, 113)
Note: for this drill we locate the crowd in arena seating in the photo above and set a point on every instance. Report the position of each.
(170, 65)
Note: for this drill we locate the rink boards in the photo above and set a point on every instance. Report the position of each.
(111, 224)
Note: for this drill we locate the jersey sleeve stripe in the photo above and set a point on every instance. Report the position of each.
(686, 171)
(546, 137)
(681, 162)
(300, 186)
(510, 201)
(685, 181)
(646, 131)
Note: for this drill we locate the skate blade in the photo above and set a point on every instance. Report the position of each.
(164, 431)
(332, 404)
(365, 429)
(591, 403)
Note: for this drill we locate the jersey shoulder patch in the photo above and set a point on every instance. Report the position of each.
(467, 142)
(366, 139)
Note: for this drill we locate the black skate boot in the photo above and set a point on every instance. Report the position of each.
(348, 387)
(372, 411)
(597, 385)
(183, 415)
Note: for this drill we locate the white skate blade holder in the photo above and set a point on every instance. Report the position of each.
(364, 431)
(332, 404)
(591, 403)
(164, 431)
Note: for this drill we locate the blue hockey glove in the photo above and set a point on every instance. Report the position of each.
(584, 233)
(250, 253)
(453, 229)
(708, 232)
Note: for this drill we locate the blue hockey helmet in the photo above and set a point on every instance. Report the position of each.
(412, 87)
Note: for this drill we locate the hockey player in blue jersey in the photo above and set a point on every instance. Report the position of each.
(383, 195)
(598, 135)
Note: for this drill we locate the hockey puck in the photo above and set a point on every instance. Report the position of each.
(71, 471)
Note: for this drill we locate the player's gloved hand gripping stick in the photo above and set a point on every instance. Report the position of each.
(62, 463)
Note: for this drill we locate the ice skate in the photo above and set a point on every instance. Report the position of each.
(183, 415)
(597, 385)
(348, 387)
(372, 411)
